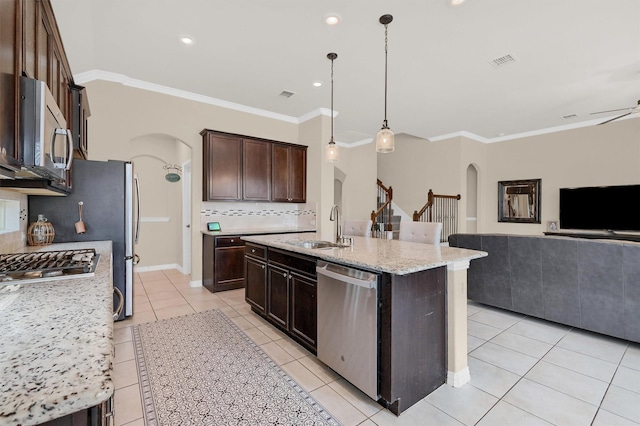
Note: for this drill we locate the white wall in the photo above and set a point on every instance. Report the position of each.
(595, 155)
(14, 240)
(122, 114)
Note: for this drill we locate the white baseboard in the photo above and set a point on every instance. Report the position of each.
(156, 267)
(197, 283)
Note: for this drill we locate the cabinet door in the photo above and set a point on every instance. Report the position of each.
(222, 168)
(255, 275)
(289, 173)
(298, 174)
(280, 183)
(79, 121)
(9, 106)
(208, 250)
(278, 295)
(256, 170)
(229, 268)
(304, 308)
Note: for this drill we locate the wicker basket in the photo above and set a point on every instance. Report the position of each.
(41, 232)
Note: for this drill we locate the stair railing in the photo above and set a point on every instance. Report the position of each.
(383, 214)
(440, 208)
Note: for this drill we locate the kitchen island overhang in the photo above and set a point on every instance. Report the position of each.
(411, 272)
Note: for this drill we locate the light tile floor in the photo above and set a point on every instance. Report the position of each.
(524, 371)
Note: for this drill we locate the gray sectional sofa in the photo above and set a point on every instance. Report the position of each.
(585, 283)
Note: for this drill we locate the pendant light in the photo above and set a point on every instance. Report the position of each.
(384, 140)
(332, 153)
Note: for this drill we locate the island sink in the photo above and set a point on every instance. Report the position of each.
(315, 244)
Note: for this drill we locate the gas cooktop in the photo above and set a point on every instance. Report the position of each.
(47, 265)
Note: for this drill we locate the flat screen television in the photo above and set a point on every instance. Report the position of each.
(604, 208)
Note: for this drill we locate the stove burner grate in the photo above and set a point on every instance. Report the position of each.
(48, 263)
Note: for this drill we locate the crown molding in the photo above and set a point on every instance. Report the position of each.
(88, 76)
(92, 75)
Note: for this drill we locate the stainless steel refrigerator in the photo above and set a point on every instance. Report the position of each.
(110, 195)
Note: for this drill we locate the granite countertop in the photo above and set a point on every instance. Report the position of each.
(56, 343)
(375, 254)
(257, 231)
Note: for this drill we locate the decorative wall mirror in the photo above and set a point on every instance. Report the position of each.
(519, 201)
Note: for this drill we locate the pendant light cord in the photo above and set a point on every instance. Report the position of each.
(332, 102)
(385, 73)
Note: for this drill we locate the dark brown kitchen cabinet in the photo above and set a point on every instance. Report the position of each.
(289, 173)
(278, 295)
(255, 277)
(243, 168)
(43, 56)
(222, 167)
(304, 311)
(256, 170)
(9, 89)
(30, 45)
(291, 295)
(222, 263)
(79, 116)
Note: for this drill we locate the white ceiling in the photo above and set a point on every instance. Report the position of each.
(574, 57)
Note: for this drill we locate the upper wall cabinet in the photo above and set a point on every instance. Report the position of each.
(241, 168)
(289, 173)
(30, 45)
(9, 89)
(79, 125)
(256, 170)
(222, 167)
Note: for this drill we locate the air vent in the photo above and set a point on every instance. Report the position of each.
(287, 94)
(503, 60)
(569, 116)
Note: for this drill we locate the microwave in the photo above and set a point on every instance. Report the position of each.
(46, 145)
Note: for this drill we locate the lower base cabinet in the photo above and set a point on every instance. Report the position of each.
(281, 287)
(99, 415)
(255, 276)
(222, 263)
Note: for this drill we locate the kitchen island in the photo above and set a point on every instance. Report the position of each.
(56, 344)
(422, 321)
(223, 255)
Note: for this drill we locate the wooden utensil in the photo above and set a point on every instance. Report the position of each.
(80, 227)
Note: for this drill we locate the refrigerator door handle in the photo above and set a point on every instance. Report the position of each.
(135, 178)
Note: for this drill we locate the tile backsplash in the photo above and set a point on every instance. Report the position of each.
(233, 215)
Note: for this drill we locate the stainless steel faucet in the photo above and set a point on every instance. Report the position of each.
(335, 216)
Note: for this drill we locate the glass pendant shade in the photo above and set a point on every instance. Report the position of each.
(385, 141)
(332, 152)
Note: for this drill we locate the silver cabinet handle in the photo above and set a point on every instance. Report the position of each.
(232, 241)
(284, 275)
(137, 182)
(253, 250)
(262, 266)
(118, 311)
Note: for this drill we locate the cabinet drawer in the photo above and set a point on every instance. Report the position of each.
(256, 251)
(229, 241)
(302, 264)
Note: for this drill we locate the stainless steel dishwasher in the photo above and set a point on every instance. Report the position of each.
(348, 324)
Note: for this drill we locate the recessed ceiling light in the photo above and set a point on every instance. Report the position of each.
(317, 83)
(188, 40)
(455, 2)
(332, 19)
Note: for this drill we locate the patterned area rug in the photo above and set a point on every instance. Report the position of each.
(201, 369)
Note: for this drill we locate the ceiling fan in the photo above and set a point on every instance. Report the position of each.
(630, 109)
